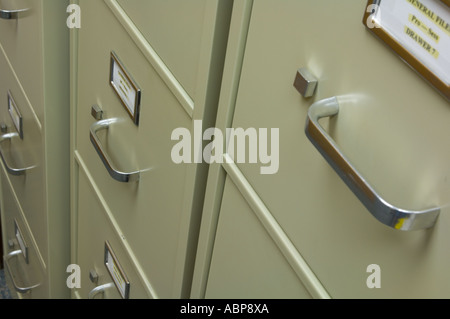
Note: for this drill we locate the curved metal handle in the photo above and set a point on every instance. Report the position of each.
(99, 290)
(8, 267)
(386, 213)
(116, 174)
(11, 14)
(9, 169)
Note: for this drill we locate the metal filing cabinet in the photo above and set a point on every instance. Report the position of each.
(321, 231)
(34, 150)
(143, 69)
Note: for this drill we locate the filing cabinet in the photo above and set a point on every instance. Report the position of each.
(143, 69)
(98, 232)
(34, 150)
(23, 262)
(311, 227)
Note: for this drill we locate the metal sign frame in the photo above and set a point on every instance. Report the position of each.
(134, 109)
(408, 56)
(116, 272)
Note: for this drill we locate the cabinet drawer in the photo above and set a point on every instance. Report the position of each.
(95, 230)
(22, 153)
(148, 210)
(23, 262)
(21, 39)
(174, 29)
(246, 263)
(390, 128)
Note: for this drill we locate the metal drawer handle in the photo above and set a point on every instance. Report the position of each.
(386, 213)
(11, 14)
(99, 290)
(8, 267)
(9, 169)
(117, 175)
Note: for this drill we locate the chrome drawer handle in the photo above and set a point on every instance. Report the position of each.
(11, 14)
(99, 290)
(9, 169)
(116, 174)
(386, 213)
(18, 288)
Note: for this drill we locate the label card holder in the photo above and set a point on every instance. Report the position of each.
(116, 272)
(419, 32)
(125, 87)
(22, 244)
(15, 114)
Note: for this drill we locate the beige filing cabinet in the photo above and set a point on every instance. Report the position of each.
(142, 69)
(302, 232)
(34, 146)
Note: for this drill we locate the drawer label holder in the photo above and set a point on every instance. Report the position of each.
(22, 244)
(125, 87)
(16, 116)
(115, 270)
(419, 32)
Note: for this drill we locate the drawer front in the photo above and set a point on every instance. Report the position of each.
(23, 262)
(149, 210)
(22, 153)
(391, 125)
(95, 230)
(21, 39)
(174, 29)
(246, 263)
